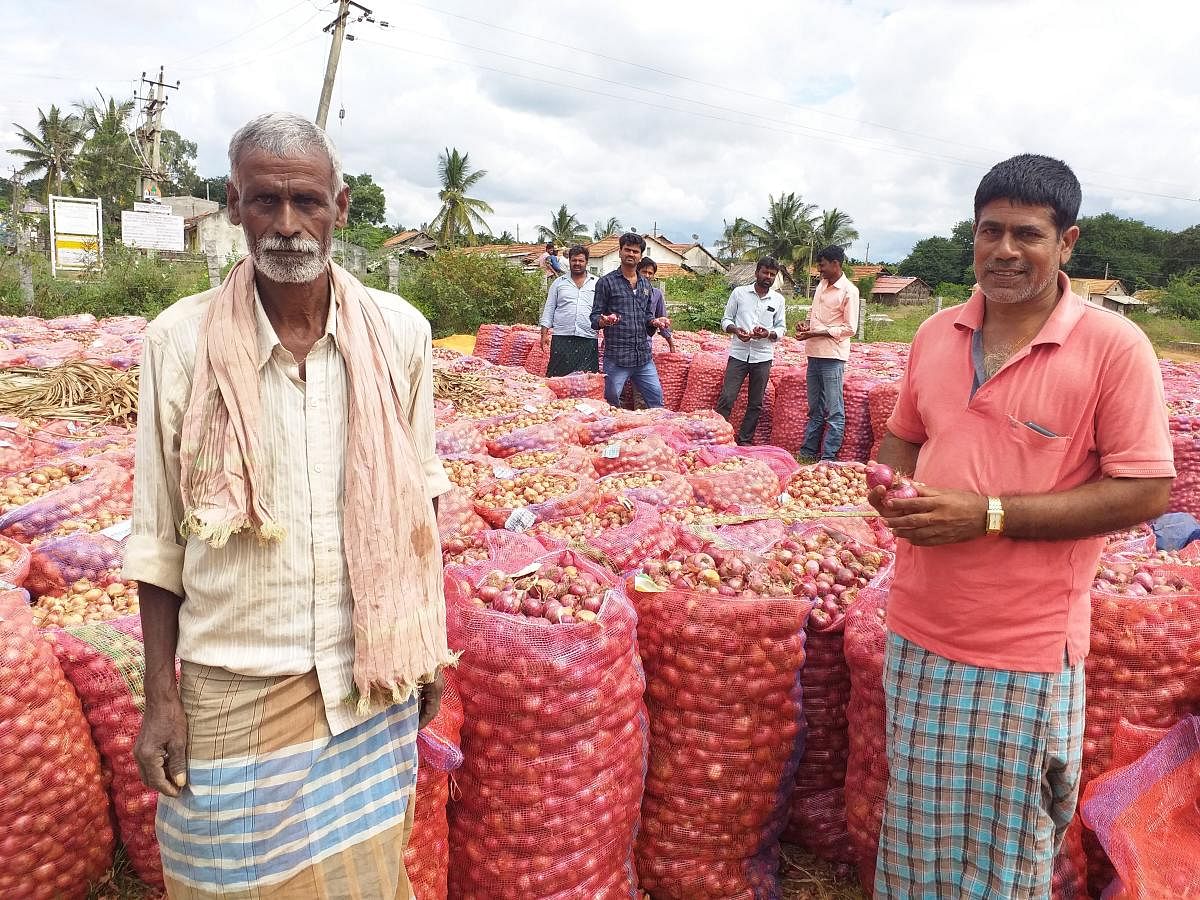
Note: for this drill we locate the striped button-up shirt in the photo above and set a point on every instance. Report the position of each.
(569, 307)
(282, 608)
(626, 344)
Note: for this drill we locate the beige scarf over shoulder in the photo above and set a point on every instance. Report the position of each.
(390, 533)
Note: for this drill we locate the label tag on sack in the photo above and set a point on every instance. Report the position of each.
(785, 498)
(625, 502)
(10, 424)
(643, 583)
(583, 408)
(529, 407)
(612, 451)
(7, 445)
(520, 520)
(71, 427)
(503, 472)
(118, 532)
(528, 570)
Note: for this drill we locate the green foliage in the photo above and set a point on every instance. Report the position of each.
(213, 189)
(367, 203)
(958, 293)
(107, 167)
(938, 259)
(1182, 251)
(177, 156)
(364, 235)
(865, 285)
(835, 229)
(697, 301)
(786, 230)
(1131, 250)
(1181, 298)
(461, 217)
(50, 150)
(602, 229)
(458, 292)
(564, 229)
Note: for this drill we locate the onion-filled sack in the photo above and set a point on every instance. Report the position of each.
(857, 438)
(791, 411)
(538, 359)
(705, 376)
(545, 493)
(55, 833)
(14, 562)
(1147, 818)
(516, 345)
(57, 563)
(460, 437)
(489, 340)
(705, 429)
(617, 533)
(672, 375)
(38, 500)
(1132, 742)
(554, 738)
(545, 429)
(866, 713)
(1139, 539)
(469, 470)
(106, 664)
(722, 639)
(661, 489)
(17, 451)
(736, 482)
(778, 460)
(578, 385)
(456, 516)
(567, 459)
(86, 602)
(601, 428)
(1069, 881)
(427, 856)
(881, 400)
(641, 451)
(828, 486)
(1185, 442)
(513, 547)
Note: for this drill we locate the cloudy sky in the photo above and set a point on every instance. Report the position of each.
(676, 113)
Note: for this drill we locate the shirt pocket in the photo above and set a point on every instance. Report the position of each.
(1030, 461)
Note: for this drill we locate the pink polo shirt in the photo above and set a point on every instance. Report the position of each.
(1091, 378)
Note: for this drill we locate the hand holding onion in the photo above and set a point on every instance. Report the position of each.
(925, 516)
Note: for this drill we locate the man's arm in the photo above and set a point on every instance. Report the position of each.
(900, 454)
(547, 319)
(161, 746)
(599, 304)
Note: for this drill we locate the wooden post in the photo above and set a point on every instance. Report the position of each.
(393, 266)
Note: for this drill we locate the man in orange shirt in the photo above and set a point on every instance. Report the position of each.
(832, 321)
(1034, 423)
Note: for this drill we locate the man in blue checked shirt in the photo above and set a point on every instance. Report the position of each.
(755, 317)
(623, 308)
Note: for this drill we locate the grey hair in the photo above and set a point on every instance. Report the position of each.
(284, 134)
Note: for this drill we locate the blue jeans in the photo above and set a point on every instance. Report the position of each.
(645, 379)
(825, 408)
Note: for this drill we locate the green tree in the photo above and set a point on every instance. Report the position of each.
(108, 166)
(504, 237)
(697, 301)
(213, 189)
(458, 292)
(938, 259)
(51, 150)
(1126, 248)
(364, 234)
(835, 228)
(177, 157)
(787, 229)
(367, 203)
(461, 216)
(1182, 297)
(734, 243)
(1181, 252)
(564, 229)
(602, 230)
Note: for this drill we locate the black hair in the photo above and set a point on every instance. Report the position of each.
(833, 253)
(1033, 180)
(632, 239)
(579, 250)
(766, 262)
(646, 263)
(549, 245)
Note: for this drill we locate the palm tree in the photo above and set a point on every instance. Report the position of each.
(836, 229)
(786, 230)
(734, 242)
(52, 150)
(460, 215)
(107, 164)
(602, 230)
(564, 230)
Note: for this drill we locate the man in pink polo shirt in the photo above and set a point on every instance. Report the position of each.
(1035, 423)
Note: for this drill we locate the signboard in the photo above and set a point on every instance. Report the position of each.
(151, 230)
(76, 240)
(161, 208)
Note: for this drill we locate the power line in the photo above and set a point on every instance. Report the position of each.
(243, 32)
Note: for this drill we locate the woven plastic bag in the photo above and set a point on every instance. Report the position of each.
(578, 384)
(1069, 880)
(489, 340)
(545, 494)
(735, 482)
(705, 376)
(705, 429)
(58, 563)
(617, 533)
(427, 856)
(517, 344)
(456, 516)
(106, 664)
(55, 832)
(791, 411)
(1147, 818)
(460, 437)
(14, 562)
(857, 437)
(726, 720)
(881, 401)
(778, 460)
(672, 375)
(554, 742)
(503, 441)
(640, 450)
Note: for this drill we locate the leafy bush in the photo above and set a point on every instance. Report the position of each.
(1181, 298)
(697, 301)
(458, 292)
(949, 290)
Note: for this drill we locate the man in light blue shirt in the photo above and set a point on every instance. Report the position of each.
(566, 319)
(756, 318)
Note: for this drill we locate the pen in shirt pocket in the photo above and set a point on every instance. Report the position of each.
(1039, 429)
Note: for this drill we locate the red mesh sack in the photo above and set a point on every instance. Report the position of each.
(672, 375)
(705, 429)
(1139, 539)
(554, 743)
(58, 563)
(1147, 818)
(469, 470)
(1185, 489)
(538, 359)
(427, 856)
(530, 429)
(489, 339)
(791, 411)
(482, 549)
(635, 452)
(705, 376)
(14, 562)
(857, 438)
(567, 459)
(1069, 881)
(545, 493)
(55, 833)
(757, 537)
(866, 712)
(661, 489)
(17, 450)
(456, 516)
(782, 463)
(618, 533)
(578, 384)
(722, 640)
(106, 664)
(516, 345)
(459, 437)
(735, 482)
(1132, 742)
(829, 486)
(38, 500)
(881, 400)
(601, 428)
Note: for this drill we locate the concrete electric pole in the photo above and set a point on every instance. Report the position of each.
(149, 137)
(338, 27)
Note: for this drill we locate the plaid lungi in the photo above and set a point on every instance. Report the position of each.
(985, 767)
(275, 807)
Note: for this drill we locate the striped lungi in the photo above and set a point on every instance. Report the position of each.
(277, 808)
(985, 767)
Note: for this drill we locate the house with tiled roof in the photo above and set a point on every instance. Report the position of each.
(605, 254)
(1107, 292)
(411, 241)
(524, 255)
(897, 290)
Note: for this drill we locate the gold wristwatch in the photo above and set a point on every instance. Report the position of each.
(995, 516)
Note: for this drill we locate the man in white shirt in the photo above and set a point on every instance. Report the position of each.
(566, 319)
(756, 318)
(832, 321)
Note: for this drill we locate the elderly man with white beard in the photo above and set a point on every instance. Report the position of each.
(286, 546)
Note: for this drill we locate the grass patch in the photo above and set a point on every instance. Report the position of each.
(121, 883)
(804, 877)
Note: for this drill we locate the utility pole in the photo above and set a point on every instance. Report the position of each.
(338, 27)
(22, 230)
(149, 137)
(867, 259)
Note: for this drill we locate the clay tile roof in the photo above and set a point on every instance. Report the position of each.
(1086, 286)
(400, 238)
(670, 270)
(891, 284)
(604, 247)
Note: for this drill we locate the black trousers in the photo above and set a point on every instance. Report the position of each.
(735, 373)
(569, 353)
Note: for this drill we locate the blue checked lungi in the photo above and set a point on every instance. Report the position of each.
(276, 807)
(984, 776)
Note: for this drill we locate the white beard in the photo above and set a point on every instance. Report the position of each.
(301, 270)
(1019, 295)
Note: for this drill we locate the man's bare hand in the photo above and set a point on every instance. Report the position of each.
(759, 332)
(545, 342)
(609, 319)
(161, 745)
(935, 517)
(431, 700)
(742, 334)
(661, 322)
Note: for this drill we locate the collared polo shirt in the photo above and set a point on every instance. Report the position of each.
(568, 308)
(746, 309)
(1091, 384)
(834, 306)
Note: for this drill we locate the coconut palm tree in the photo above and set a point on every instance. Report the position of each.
(107, 165)
(51, 151)
(602, 230)
(835, 229)
(460, 216)
(734, 242)
(787, 229)
(564, 229)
